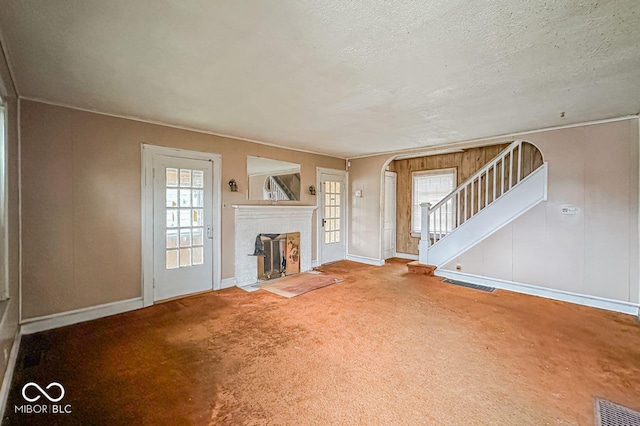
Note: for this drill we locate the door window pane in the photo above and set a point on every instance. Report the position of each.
(172, 218)
(185, 178)
(172, 238)
(198, 179)
(185, 238)
(185, 198)
(185, 257)
(172, 177)
(172, 259)
(197, 253)
(198, 198)
(185, 218)
(197, 217)
(172, 197)
(198, 239)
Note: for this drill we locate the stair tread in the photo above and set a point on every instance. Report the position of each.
(416, 267)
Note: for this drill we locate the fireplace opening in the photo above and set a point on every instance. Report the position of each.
(278, 255)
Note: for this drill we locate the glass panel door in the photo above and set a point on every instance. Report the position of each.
(332, 211)
(183, 210)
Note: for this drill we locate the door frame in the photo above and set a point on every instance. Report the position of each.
(395, 214)
(319, 171)
(148, 153)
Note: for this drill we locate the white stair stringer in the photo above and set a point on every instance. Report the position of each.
(515, 202)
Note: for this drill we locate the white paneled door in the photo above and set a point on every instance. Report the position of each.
(182, 226)
(331, 214)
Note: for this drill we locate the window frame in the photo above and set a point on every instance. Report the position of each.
(418, 173)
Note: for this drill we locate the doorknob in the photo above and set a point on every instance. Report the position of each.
(323, 222)
(209, 232)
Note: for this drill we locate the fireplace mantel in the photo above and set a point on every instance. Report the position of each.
(252, 210)
(251, 220)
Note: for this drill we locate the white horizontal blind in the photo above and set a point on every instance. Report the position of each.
(431, 187)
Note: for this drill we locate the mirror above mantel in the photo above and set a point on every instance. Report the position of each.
(273, 180)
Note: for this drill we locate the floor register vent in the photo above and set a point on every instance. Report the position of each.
(609, 414)
(469, 285)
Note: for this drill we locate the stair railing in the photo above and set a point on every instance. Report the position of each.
(275, 192)
(485, 186)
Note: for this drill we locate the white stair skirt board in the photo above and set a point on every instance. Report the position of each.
(548, 293)
(408, 256)
(49, 322)
(227, 283)
(8, 373)
(522, 197)
(367, 260)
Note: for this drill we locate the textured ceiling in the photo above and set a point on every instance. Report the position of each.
(339, 77)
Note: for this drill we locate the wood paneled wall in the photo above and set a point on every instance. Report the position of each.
(467, 163)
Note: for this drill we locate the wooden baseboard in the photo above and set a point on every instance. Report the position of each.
(549, 293)
(367, 260)
(48, 322)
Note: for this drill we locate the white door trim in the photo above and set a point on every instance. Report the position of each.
(319, 171)
(148, 152)
(394, 176)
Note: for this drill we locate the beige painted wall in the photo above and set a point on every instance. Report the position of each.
(595, 252)
(81, 201)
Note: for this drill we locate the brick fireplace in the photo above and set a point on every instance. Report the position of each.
(252, 221)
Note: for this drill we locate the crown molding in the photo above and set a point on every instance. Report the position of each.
(178, 126)
(488, 140)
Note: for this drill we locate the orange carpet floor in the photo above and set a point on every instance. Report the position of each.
(382, 347)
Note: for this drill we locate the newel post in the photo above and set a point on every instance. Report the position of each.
(425, 241)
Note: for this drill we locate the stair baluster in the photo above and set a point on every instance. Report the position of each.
(466, 200)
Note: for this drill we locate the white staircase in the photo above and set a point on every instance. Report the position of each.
(495, 195)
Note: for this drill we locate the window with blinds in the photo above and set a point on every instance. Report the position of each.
(431, 187)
